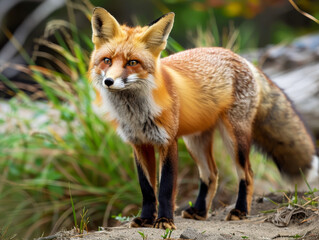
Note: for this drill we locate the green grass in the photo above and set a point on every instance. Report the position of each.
(75, 148)
(60, 146)
(236, 39)
(84, 217)
(143, 235)
(167, 234)
(121, 218)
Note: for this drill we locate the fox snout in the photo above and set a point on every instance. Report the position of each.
(108, 82)
(113, 83)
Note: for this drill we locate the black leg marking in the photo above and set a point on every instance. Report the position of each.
(241, 203)
(198, 211)
(240, 210)
(148, 213)
(149, 199)
(200, 203)
(241, 156)
(166, 190)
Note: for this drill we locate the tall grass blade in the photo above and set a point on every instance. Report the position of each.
(73, 209)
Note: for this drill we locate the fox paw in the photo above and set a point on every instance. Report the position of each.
(164, 223)
(142, 222)
(194, 213)
(236, 214)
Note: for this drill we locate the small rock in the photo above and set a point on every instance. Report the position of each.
(119, 238)
(230, 236)
(190, 233)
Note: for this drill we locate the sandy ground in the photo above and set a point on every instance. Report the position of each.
(215, 228)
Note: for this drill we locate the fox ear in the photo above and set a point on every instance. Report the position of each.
(155, 37)
(104, 26)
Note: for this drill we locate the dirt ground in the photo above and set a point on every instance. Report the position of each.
(258, 225)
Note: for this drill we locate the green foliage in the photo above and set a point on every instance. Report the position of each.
(231, 37)
(167, 234)
(296, 236)
(4, 235)
(72, 147)
(84, 221)
(283, 33)
(73, 210)
(121, 218)
(306, 200)
(143, 235)
(311, 191)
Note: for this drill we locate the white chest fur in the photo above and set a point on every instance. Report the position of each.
(135, 111)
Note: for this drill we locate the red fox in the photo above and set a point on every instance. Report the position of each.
(152, 102)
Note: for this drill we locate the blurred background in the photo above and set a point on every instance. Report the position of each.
(54, 145)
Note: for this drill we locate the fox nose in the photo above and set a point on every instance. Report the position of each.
(108, 81)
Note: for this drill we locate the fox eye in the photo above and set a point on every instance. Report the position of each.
(132, 63)
(107, 61)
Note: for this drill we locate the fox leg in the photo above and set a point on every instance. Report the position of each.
(237, 139)
(167, 190)
(200, 147)
(146, 168)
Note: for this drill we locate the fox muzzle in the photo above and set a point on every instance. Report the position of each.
(108, 82)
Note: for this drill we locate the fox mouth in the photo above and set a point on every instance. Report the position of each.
(115, 89)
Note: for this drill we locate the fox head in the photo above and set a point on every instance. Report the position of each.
(124, 57)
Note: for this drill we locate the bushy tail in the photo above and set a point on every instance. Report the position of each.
(280, 133)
